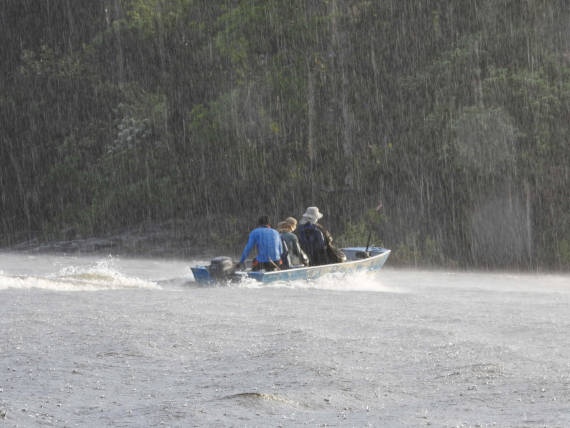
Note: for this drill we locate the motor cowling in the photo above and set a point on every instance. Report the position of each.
(221, 267)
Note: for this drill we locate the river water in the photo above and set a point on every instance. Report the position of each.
(107, 341)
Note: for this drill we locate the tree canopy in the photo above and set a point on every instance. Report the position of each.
(455, 115)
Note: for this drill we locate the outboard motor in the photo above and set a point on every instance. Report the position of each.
(221, 267)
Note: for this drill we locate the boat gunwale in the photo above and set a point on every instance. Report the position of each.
(262, 273)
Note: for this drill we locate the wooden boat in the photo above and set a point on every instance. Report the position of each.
(358, 259)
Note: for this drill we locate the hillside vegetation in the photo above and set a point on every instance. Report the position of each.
(201, 115)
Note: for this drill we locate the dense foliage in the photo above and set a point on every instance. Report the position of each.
(204, 114)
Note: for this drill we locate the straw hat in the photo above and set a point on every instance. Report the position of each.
(312, 215)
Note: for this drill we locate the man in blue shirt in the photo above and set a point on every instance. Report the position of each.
(269, 246)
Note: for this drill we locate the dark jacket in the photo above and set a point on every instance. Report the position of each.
(313, 243)
(317, 242)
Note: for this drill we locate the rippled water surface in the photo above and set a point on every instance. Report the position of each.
(104, 341)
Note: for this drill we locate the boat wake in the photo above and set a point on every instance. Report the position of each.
(340, 281)
(101, 275)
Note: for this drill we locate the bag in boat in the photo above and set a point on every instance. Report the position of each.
(335, 254)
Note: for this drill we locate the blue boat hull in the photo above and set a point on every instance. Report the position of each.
(354, 263)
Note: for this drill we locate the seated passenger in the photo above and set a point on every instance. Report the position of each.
(293, 254)
(316, 241)
(269, 247)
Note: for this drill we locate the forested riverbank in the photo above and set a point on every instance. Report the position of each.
(196, 116)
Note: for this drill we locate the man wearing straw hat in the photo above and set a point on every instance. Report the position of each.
(316, 241)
